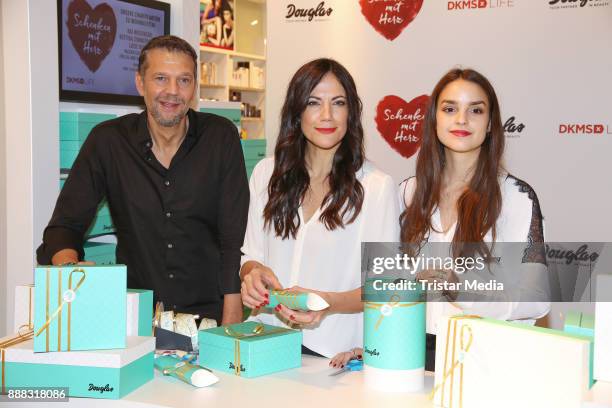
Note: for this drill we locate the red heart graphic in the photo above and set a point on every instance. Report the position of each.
(400, 123)
(390, 17)
(91, 31)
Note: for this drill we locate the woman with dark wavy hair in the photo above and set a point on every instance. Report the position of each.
(462, 195)
(311, 207)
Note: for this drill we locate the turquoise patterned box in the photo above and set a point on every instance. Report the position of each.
(109, 374)
(250, 349)
(79, 308)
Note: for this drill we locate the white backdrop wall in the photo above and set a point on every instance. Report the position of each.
(550, 65)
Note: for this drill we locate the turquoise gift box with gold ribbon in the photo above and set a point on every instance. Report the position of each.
(108, 374)
(393, 338)
(250, 349)
(80, 308)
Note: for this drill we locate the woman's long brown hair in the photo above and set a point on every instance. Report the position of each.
(290, 179)
(480, 205)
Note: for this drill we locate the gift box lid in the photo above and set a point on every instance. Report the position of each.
(536, 329)
(137, 346)
(269, 337)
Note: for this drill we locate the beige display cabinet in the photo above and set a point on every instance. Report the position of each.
(217, 66)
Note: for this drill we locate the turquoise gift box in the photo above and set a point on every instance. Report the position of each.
(582, 324)
(79, 308)
(250, 349)
(108, 374)
(139, 312)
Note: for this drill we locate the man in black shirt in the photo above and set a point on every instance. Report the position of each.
(176, 186)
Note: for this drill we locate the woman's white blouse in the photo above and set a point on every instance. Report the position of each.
(520, 211)
(320, 259)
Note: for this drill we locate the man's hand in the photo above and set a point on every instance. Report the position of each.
(68, 256)
(232, 309)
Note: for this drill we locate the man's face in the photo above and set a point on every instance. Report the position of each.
(167, 85)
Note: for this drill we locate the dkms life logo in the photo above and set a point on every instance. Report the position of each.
(597, 129)
(478, 4)
(576, 4)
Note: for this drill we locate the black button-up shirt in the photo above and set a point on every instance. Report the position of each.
(179, 230)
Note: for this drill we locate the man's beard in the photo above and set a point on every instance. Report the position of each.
(171, 121)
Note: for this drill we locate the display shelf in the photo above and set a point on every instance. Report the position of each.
(239, 74)
(246, 89)
(212, 86)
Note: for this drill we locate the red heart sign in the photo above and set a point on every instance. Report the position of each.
(400, 123)
(390, 17)
(91, 31)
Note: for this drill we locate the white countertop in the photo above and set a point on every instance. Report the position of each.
(309, 386)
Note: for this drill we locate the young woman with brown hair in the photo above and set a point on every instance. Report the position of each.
(461, 194)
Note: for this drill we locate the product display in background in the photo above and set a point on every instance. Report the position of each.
(96, 373)
(297, 301)
(603, 331)
(250, 349)
(479, 360)
(185, 371)
(79, 308)
(394, 345)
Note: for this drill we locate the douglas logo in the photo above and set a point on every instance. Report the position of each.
(512, 129)
(582, 255)
(577, 3)
(301, 14)
(101, 390)
(584, 129)
(371, 352)
(233, 367)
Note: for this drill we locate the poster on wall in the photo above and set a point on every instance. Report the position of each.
(389, 18)
(99, 45)
(400, 123)
(217, 24)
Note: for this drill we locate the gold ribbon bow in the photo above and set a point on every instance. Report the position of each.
(394, 301)
(465, 343)
(61, 302)
(258, 331)
(12, 341)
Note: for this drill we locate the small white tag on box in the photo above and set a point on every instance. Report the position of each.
(24, 307)
(491, 363)
(603, 330)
